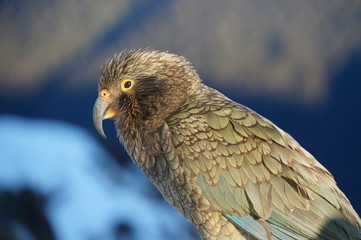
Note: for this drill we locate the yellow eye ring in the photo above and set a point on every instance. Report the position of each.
(126, 84)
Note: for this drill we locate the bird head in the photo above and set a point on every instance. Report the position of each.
(142, 88)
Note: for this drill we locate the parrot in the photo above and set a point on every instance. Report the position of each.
(228, 170)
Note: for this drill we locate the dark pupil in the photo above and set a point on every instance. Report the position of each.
(127, 84)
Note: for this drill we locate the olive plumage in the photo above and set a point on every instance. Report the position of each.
(231, 172)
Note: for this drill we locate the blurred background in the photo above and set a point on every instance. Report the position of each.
(297, 63)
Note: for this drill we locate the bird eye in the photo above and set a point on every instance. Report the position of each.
(126, 84)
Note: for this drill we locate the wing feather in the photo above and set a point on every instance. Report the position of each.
(247, 166)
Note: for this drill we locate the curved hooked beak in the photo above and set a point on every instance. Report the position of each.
(102, 111)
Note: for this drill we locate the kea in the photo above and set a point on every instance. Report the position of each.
(231, 172)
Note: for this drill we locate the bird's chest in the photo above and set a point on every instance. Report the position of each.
(158, 158)
(177, 185)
